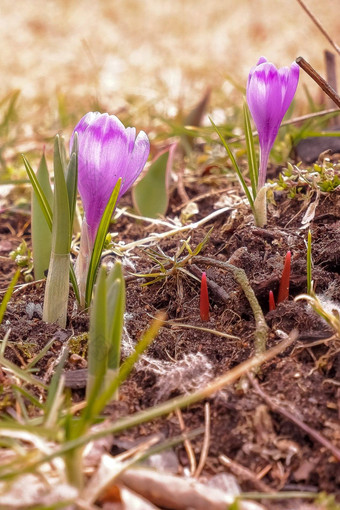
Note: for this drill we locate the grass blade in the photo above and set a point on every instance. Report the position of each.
(72, 178)
(41, 232)
(98, 346)
(309, 263)
(116, 303)
(8, 294)
(235, 165)
(252, 162)
(44, 204)
(99, 242)
(57, 285)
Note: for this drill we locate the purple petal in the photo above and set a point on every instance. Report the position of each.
(138, 158)
(107, 151)
(269, 94)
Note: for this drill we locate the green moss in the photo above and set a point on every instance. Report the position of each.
(78, 344)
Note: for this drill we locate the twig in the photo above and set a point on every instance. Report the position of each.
(289, 122)
(331, 78)
(219, 291)
(199, 328)
(319, 25)
(187, 443)
(206, 441)
(261, 328)
(244, 473)
(180, 186)
(198, 198)
(318, 79)
(287, 414)
(154, 238)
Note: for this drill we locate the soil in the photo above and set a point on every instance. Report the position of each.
(303, 380)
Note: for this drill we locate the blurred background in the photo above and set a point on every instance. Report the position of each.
(68, 57)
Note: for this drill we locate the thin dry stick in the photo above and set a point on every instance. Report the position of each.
(289, 122)
(319, 25)
(244, 473)
(287, 414)
(155, 238)
(331, 79)
(206, 441)
(319, 80)
(187, 444)
(239, 275)
(219, 291)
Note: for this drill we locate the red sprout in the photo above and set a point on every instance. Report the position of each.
(284, 282)
(204, 299)
(271, 301)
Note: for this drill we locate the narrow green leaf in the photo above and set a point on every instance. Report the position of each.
(154, 184)
(99, 242)
(44, 204)
(48, 214)
(57, 289)
(252, 162)
(235, 165)
(22, 374)
(116, 309)
(129, 363)
(41, 232)
(61, 231)
(7, 296)
(62, 154)
(41, 353)
(72, 178)
(74, 283)
(54, 384)
(29, 396)
(309, 263)
(98, 345)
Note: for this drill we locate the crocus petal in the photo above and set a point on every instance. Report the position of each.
(137, 160)
(269, 94)
(107, 151)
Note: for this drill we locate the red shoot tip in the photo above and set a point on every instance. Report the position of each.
(284, 282)
(271, 301)
(204, 299)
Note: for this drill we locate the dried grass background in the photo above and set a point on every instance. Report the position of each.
(166, 51)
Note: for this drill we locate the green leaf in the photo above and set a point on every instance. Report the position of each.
(252, 162)
(22, 374)
(98, 345)
(99, 242)
(309, 263)
(43, 201)
(72, 178)
(116, 309)
(61, 230)
(57, 285)
(129, 363)
(41, 232)
(150, 195)
(54, 388)
(7, 296)
(235, 165)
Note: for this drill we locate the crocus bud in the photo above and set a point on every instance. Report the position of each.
(270, 92)
(107, 151)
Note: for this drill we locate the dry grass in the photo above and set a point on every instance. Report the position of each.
(164, 50)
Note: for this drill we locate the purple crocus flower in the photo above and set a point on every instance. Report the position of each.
(269, 94)
(107, 151)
